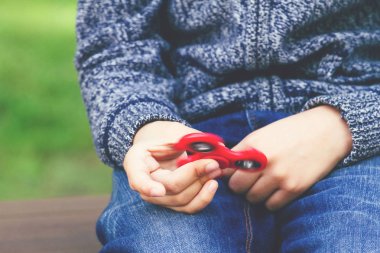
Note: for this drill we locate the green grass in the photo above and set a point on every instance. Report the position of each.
(45, 144)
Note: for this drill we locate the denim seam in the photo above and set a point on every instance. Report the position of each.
(248, 227)
(248, 120)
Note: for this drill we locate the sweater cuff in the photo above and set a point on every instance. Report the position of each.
(122, 124)
(361, 111)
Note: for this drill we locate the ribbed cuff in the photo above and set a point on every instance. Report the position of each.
(122, 124)
(361, 110)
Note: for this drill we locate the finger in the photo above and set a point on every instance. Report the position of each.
(171, 164)
(243, 145)
(264, 187)
(177, 180)
(228, 172)
(162, 147)
(201, 200)
(242, 181)
(165, 152)
(151, 163)
(181, 199)
(138, 169)
(279, 199)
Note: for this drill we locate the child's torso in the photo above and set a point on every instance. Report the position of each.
(269, 54)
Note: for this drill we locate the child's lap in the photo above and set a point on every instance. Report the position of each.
(341, 213)
(223, 226)
(338, 214)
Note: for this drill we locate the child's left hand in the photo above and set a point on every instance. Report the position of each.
(301, 150)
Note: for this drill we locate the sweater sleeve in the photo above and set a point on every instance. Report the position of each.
(361, 110)
(124, 81)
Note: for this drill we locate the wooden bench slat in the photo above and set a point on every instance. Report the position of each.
(54, 225)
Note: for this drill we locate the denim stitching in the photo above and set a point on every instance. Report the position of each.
(248, 227)
(251, 126)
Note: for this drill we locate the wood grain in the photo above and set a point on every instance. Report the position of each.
(64, 225)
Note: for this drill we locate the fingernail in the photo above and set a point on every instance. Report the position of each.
(212, 186)
(156, 192)
(211, 167)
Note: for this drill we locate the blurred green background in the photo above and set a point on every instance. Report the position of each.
(45, 144)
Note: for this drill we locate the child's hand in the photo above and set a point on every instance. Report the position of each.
(301, 150)
(151, 168)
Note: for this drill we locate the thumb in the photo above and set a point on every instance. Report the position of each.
(165, 152)
(138, 166)
(242, 145)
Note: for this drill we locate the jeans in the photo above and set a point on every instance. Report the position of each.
(340, 213)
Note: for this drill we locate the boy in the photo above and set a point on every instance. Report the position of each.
(153, 71)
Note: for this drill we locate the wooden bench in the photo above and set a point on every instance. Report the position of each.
(63, 225)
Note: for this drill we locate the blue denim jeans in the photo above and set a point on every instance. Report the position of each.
(340, 213)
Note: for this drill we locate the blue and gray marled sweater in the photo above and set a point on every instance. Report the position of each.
(185, 60)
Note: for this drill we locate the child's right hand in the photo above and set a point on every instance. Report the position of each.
(150, 165)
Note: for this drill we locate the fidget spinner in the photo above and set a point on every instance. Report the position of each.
(210, 146)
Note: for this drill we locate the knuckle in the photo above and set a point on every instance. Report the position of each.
(178, 200)
(173, 187)
(199, 170)
(200, 165)
(235, 186)
(279, 175)
(291, 186)
(208, 161)
(144, 189)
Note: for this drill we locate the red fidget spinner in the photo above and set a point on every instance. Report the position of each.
(211, 146)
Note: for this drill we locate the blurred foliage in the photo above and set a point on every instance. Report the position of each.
(45, 144)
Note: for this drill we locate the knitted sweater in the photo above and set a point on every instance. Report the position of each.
(186, 60)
